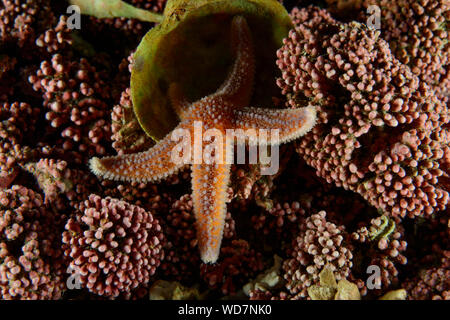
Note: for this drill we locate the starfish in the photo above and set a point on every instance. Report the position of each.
(227, 108)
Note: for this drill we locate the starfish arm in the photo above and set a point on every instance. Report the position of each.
(238, 86)
(152, 165)
(209, 186)
(289, 123)
(209, 193)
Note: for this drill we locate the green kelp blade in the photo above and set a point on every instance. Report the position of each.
(115, 9)
(191, 48)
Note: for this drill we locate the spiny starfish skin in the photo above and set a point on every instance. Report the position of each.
(226, 109)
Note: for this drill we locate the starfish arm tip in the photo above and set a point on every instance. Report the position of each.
(96, 166)
(210, 257)
(310, 115)
(311, 112)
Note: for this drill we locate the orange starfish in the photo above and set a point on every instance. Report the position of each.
(225, 109)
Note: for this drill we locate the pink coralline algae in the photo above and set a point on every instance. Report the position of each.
(18, 121)
(51, 177)
(319, 243)
(237, 264)
(127, 135)
(146, 196)
(279, 222)
(112, 245)
(21, 19)
(74, 95)
(381, 131)
(418, 37)
(384, 240)
(57, 38)
(60, 184)
(432, 283)
(367, 186)
(247, 182)
(30, 254)
(181, 240)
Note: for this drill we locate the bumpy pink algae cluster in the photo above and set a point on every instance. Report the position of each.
(320, 243)
(113, 246)
(74, 94)
(381, 131)
(31, 260)
(417, 32)
(367, 186)
(22, 20)
(18, 121)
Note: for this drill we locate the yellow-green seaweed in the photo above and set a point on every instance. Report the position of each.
(115, 8)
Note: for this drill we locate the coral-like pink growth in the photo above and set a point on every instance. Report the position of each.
(281, 223)
(112, 245)
(181, 245)
(147, 196)
(20, 20)
(52, 177)
(237, 264)
(319, 243)
(127, 134)
(380, 146)
(17, 123)
(381, 131)
(247, 182)
(60, 184)
(56, 39)
(30, 254)
(75, 96)
(417, 32)
(384, 246)
(432, 283)
(260, 295)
